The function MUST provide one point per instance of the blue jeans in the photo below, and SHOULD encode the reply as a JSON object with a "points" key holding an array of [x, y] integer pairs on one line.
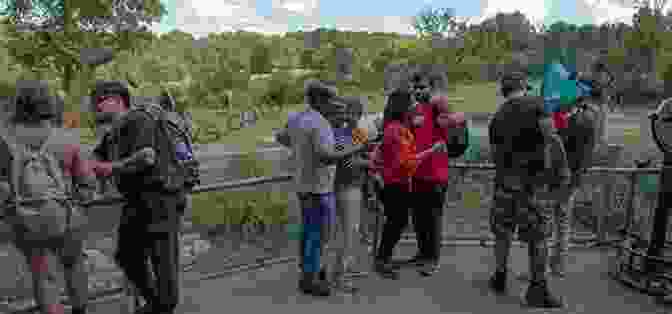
{"points": [[318, 213]]}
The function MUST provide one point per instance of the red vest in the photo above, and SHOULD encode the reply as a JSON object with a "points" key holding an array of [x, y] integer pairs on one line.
{"points": [[434, 169]]}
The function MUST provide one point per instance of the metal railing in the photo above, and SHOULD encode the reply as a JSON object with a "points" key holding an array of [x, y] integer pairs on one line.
{"points": [[603, 208], [116, 293], [103, 296]]}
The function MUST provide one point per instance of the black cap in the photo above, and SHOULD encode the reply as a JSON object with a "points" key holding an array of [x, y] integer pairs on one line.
{"points": [[102, 88], [111, 87], [33, 102], [515, 80], [317, 89]]}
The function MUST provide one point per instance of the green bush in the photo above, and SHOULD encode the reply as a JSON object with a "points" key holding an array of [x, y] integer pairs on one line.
{"points": [[242, 207]]}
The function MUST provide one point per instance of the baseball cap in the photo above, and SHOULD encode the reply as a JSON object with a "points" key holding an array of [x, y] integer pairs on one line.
{"points": [[314, 87], [515, 80]]}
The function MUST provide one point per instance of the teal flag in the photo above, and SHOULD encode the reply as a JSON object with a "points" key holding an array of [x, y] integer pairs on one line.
{"points": [[559, 87]]}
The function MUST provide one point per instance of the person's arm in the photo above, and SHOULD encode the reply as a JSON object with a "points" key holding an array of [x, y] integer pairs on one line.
{"points": [[282, 137], [325, 149], [360, 162], [140, 128]]}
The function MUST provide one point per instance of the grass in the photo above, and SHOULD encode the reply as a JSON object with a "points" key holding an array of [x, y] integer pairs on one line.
{"points": [[478, 98], [251, 207]]}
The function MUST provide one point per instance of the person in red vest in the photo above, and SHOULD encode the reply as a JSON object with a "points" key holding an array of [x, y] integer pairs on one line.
{"points": [[431, 178]]}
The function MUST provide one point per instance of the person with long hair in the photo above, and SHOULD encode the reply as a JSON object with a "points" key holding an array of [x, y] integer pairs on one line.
{"points": [[399, 161]]}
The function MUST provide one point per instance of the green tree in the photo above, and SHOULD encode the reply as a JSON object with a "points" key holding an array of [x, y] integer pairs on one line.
{"points": [[430, 21], [47, 35], [260, 62]]}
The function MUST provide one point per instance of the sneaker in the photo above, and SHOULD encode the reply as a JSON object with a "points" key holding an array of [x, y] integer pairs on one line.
{"points": [[538, 295], [145, 309], [498, 282], [417, 260], [81, 310], [557, 267], [386, 270], [345, 286], [311, 285], [557, 271], [429, 268], [322, 275], [413, 261], [664, 299]]}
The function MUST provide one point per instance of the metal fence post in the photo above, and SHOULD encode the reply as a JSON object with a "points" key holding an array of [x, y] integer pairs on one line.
{"points": [[603, 212], [630, 205]]}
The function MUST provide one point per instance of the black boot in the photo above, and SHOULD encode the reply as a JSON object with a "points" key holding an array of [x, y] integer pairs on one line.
{"points": [[538, 295], [498, 282], [310, 284], [386, 270], [323, 274], [78, 310]]}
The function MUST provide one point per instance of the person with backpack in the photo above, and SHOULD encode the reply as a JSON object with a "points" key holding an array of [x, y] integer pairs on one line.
{"points": [[431, 178], [155, 169], [580, 139], [42, 177], [521, 135]]}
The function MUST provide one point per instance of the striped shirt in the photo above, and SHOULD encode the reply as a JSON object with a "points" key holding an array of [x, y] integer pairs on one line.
{"points": [[346, 173]]}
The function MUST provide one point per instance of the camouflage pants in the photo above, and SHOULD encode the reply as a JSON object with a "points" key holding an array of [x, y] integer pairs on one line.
{"points": [[561, 232], [519, 208]]}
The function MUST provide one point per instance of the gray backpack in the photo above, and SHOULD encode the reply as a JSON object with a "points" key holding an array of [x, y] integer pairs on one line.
{"points": [[41, 198]]}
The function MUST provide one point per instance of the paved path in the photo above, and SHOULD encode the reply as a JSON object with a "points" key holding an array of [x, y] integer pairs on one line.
{"points": [[460, 287]]}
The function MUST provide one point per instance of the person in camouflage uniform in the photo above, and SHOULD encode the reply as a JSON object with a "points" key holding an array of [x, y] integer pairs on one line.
{"points": [[520, 133]]}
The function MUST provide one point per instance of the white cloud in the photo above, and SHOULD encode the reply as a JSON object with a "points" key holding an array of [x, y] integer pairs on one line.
{"points": [[534, 10], [600, 10], [200, 17]]}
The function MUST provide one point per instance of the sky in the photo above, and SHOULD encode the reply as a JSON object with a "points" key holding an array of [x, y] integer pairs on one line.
{"points": [[201, 17]]}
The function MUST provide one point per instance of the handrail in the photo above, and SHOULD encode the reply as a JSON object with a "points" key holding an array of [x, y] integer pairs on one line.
{"points": [[611, 170], [249, 182], [114, 199]]}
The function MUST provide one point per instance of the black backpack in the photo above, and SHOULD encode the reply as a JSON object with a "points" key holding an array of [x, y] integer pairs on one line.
{"points": [[173, 173], [580, 137], [514, 130]]}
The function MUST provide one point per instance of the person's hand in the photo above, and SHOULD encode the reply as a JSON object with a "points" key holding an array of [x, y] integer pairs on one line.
{"points": [[359, 136], [450, 120], [439, 147], [102, 169], [147, 155]]}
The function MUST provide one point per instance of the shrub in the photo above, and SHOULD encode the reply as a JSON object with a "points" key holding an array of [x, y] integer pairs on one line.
{"points": [[242, 207]]}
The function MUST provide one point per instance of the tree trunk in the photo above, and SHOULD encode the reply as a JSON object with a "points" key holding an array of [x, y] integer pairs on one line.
{"points": [[66, 82]]}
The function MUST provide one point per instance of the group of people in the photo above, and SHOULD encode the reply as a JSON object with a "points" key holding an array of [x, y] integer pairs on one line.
{"points": [[536, 178], [330, 149], [44, 175]]}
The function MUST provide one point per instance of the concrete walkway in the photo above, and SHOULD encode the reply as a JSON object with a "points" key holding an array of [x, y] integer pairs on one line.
{"points": [[460, 287]]}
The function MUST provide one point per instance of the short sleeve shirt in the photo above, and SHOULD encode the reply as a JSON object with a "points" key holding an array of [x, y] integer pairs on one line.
{"points": [[307, 131], [135, 134]]}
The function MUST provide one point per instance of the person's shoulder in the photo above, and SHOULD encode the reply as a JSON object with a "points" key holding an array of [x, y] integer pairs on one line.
{"points": [[393, 128], [138, 114]]}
